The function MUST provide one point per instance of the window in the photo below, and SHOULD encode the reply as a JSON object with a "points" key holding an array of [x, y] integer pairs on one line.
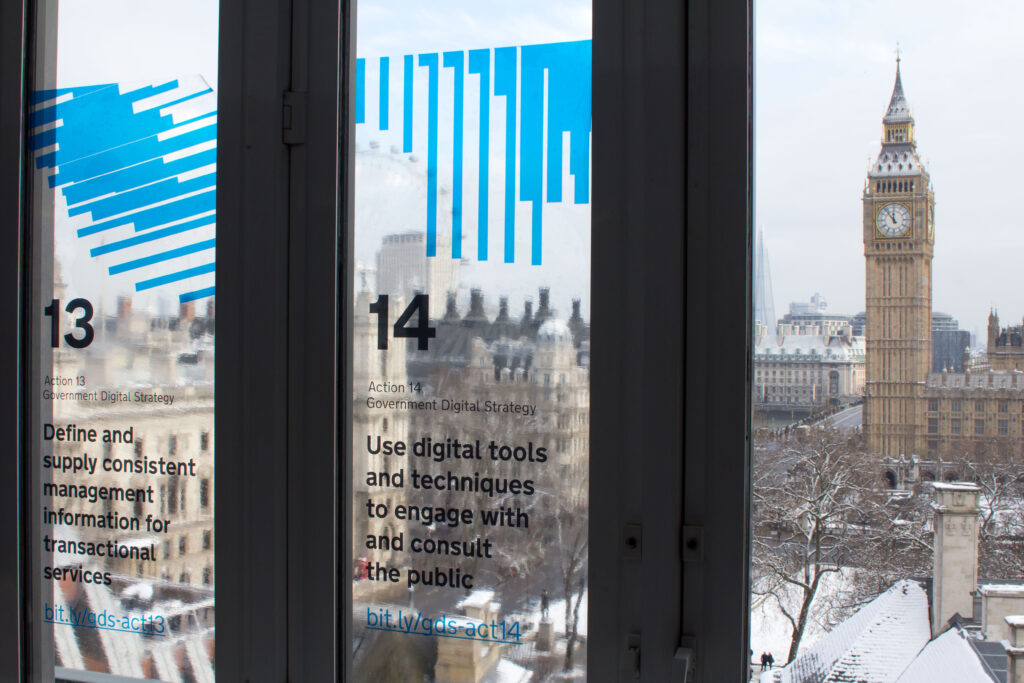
{"points": [[933, 404], [268, 438], [979, 406], [954, 425], [933, 425], [445, 123], [1004, 406], [979, 427], [954, 405], [1003, 427]]}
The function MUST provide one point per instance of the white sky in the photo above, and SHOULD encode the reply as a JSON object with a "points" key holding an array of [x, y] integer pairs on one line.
{"points": [[824, 74], [127, 41]]}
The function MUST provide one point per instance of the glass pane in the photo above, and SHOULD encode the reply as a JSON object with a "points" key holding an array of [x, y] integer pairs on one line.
{"points": [[470, 453], [889, 400], [121, 414]]}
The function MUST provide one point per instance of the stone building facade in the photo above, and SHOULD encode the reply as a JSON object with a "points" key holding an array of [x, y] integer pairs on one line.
{"points": [[808, 372]]}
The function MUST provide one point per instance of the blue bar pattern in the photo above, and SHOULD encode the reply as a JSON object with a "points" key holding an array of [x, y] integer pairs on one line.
{"points": [[545, 93], [138, 179]]}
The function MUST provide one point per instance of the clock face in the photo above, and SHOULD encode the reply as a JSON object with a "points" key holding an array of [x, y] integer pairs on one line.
{"points": [[893, 220]]}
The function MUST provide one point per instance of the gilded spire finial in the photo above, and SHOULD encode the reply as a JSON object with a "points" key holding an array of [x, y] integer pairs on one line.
{"points": [[898, 55]]}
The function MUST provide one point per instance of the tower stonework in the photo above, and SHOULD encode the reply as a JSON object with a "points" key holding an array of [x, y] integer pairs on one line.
{"points": [[899, 239]]}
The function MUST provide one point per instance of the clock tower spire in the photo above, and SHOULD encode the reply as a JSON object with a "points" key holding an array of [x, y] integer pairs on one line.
{"points": [[898, 230]]}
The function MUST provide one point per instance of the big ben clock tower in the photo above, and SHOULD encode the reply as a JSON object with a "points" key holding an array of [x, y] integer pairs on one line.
{"points": [[899, 238]]}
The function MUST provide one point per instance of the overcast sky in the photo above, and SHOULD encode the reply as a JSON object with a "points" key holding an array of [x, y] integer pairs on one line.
{"points": [[824, 75]]}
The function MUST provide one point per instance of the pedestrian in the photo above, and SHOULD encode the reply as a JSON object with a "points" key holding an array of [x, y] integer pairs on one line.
{"points": [[545, 603], [764, 661], [771, 661]]}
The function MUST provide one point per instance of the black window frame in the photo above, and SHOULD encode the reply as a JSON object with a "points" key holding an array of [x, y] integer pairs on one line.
{"points": [[671, 245]]}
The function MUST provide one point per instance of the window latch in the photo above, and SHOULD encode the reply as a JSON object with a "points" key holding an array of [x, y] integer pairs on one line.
{"points": [[293, 118], [687, 655]]}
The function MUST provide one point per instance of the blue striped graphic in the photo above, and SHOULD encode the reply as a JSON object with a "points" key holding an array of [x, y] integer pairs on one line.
{"points": [[385, 85], [360, 90], [454, 60], [480, 63], [545, 91], [138, 177], [429, 61]]}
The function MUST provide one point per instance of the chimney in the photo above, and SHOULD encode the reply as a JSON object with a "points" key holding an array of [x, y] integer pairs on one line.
{"points": [[1015, 653], [476, 308], [955, 569], [451, 313], [544, 310], [998, 602], [124, 308]]}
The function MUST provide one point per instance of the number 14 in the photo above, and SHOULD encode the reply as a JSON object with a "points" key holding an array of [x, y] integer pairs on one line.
{"points": [[422, 333]]}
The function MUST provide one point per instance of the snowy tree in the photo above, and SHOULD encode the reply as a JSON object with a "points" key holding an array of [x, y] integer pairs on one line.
{"points": [[820, 506]]}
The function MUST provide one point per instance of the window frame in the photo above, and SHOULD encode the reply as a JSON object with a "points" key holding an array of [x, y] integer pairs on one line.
{"points": [[13, 51], [671, 81]]}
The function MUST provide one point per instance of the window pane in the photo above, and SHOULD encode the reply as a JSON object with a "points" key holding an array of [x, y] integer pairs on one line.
{"points": [[902, 489], [123, 140], [471, 341]]}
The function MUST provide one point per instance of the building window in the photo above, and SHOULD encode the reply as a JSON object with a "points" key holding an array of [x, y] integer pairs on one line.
{"points": [[1004, 406], [979, 406], [207, 540], [182, 545], [933, 425], [138, 448], [1004, 427], [933, 404], [954, 425], [204, 441], [204, 493], [979, 426], [954, 405], [172, 444]]}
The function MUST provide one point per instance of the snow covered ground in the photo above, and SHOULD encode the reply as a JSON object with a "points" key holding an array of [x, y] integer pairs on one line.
{"points": [[771, 631]]}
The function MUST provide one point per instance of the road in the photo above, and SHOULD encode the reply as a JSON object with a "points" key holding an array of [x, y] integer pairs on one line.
{"points": [[848, 420]]}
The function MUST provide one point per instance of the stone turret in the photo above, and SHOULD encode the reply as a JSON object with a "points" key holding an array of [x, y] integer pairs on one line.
{"points": [[955, 570]]}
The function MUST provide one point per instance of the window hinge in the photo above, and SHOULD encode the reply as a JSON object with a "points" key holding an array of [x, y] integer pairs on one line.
{"points": [[293, 118]]}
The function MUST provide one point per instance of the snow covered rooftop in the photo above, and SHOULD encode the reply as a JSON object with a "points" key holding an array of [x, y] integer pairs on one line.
{"points": [[1010, 380], [876, 644], [478, 598], [962, 486], [949, 657], [1002, 589]]}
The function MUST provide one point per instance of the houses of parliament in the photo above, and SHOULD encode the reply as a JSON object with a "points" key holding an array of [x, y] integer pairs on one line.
{"points": [[909, 410]]}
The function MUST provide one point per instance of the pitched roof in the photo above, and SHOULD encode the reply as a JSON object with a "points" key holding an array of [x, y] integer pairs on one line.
{"points": [[876, 644], [899, 110], [950, 657]]}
